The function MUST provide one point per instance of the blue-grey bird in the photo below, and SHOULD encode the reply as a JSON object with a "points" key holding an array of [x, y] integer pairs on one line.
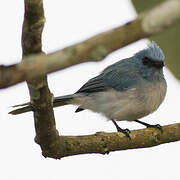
{"points": [[127, 90]]}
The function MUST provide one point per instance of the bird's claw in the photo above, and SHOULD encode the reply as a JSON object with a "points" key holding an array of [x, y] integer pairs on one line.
{"points": [[157, 126], [126, 132]]}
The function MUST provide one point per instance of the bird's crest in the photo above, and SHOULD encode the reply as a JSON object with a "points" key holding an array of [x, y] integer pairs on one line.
{"points": [[153, 52]]}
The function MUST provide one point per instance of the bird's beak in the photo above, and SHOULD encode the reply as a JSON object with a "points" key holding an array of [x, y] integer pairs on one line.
{"points": [[162, 64], [159, 64]]}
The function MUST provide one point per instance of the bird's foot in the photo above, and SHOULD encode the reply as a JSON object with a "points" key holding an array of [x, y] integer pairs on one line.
{"points": [[126, 132], [156, 126]]}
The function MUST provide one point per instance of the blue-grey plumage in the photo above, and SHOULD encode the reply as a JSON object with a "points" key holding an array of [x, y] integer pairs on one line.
{"points": [[127, 90]]}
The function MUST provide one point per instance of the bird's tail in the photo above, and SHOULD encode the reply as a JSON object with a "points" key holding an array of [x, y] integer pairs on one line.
{"points": [[58, 101]]}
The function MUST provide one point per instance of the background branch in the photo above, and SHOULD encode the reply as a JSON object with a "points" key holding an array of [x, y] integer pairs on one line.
{"points": [[167, 40], [95, 48]]}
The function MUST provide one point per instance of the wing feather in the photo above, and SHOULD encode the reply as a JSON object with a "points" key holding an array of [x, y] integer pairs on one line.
{"points": [[119, 76]]}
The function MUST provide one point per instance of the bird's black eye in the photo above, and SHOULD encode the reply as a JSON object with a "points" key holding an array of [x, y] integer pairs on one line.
{"points": [[145, 60], [152, 63]]}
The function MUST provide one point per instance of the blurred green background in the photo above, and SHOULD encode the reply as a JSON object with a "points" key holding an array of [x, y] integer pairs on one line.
{"points": [[168, 40]]}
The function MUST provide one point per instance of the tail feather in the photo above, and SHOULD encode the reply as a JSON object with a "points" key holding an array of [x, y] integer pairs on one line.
{"points": [[21, 110], [18, 105], [62, 100], [79, 109], [58, 101]]}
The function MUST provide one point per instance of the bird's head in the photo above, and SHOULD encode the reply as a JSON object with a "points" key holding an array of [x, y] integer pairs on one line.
{"points": [[152, 56]]}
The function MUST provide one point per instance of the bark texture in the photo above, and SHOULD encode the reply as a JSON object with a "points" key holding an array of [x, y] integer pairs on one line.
{"points": [[41, 97], [104, 143]]}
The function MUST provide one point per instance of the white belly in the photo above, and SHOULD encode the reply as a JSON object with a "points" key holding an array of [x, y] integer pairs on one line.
{"points": [[127, 105]]}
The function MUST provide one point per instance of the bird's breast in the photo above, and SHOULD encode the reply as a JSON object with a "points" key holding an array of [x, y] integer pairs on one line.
{"points": [[131, 104], [141, 101], [154, 95]]}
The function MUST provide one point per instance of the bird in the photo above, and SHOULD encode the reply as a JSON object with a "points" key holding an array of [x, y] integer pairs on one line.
{"points": [[127, 90]]}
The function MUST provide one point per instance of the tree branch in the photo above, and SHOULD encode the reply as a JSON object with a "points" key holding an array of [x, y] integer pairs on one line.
{"points": [[104, 143], [96, 48], [41, 97]]}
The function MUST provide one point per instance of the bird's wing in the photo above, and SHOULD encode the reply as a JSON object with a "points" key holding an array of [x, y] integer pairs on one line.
{"points": [[95, 84], [122, 80], [115, 78]]}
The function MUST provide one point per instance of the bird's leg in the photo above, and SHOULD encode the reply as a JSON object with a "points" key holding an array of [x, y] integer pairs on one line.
{"points": [[157, 126], [126, 132]]}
